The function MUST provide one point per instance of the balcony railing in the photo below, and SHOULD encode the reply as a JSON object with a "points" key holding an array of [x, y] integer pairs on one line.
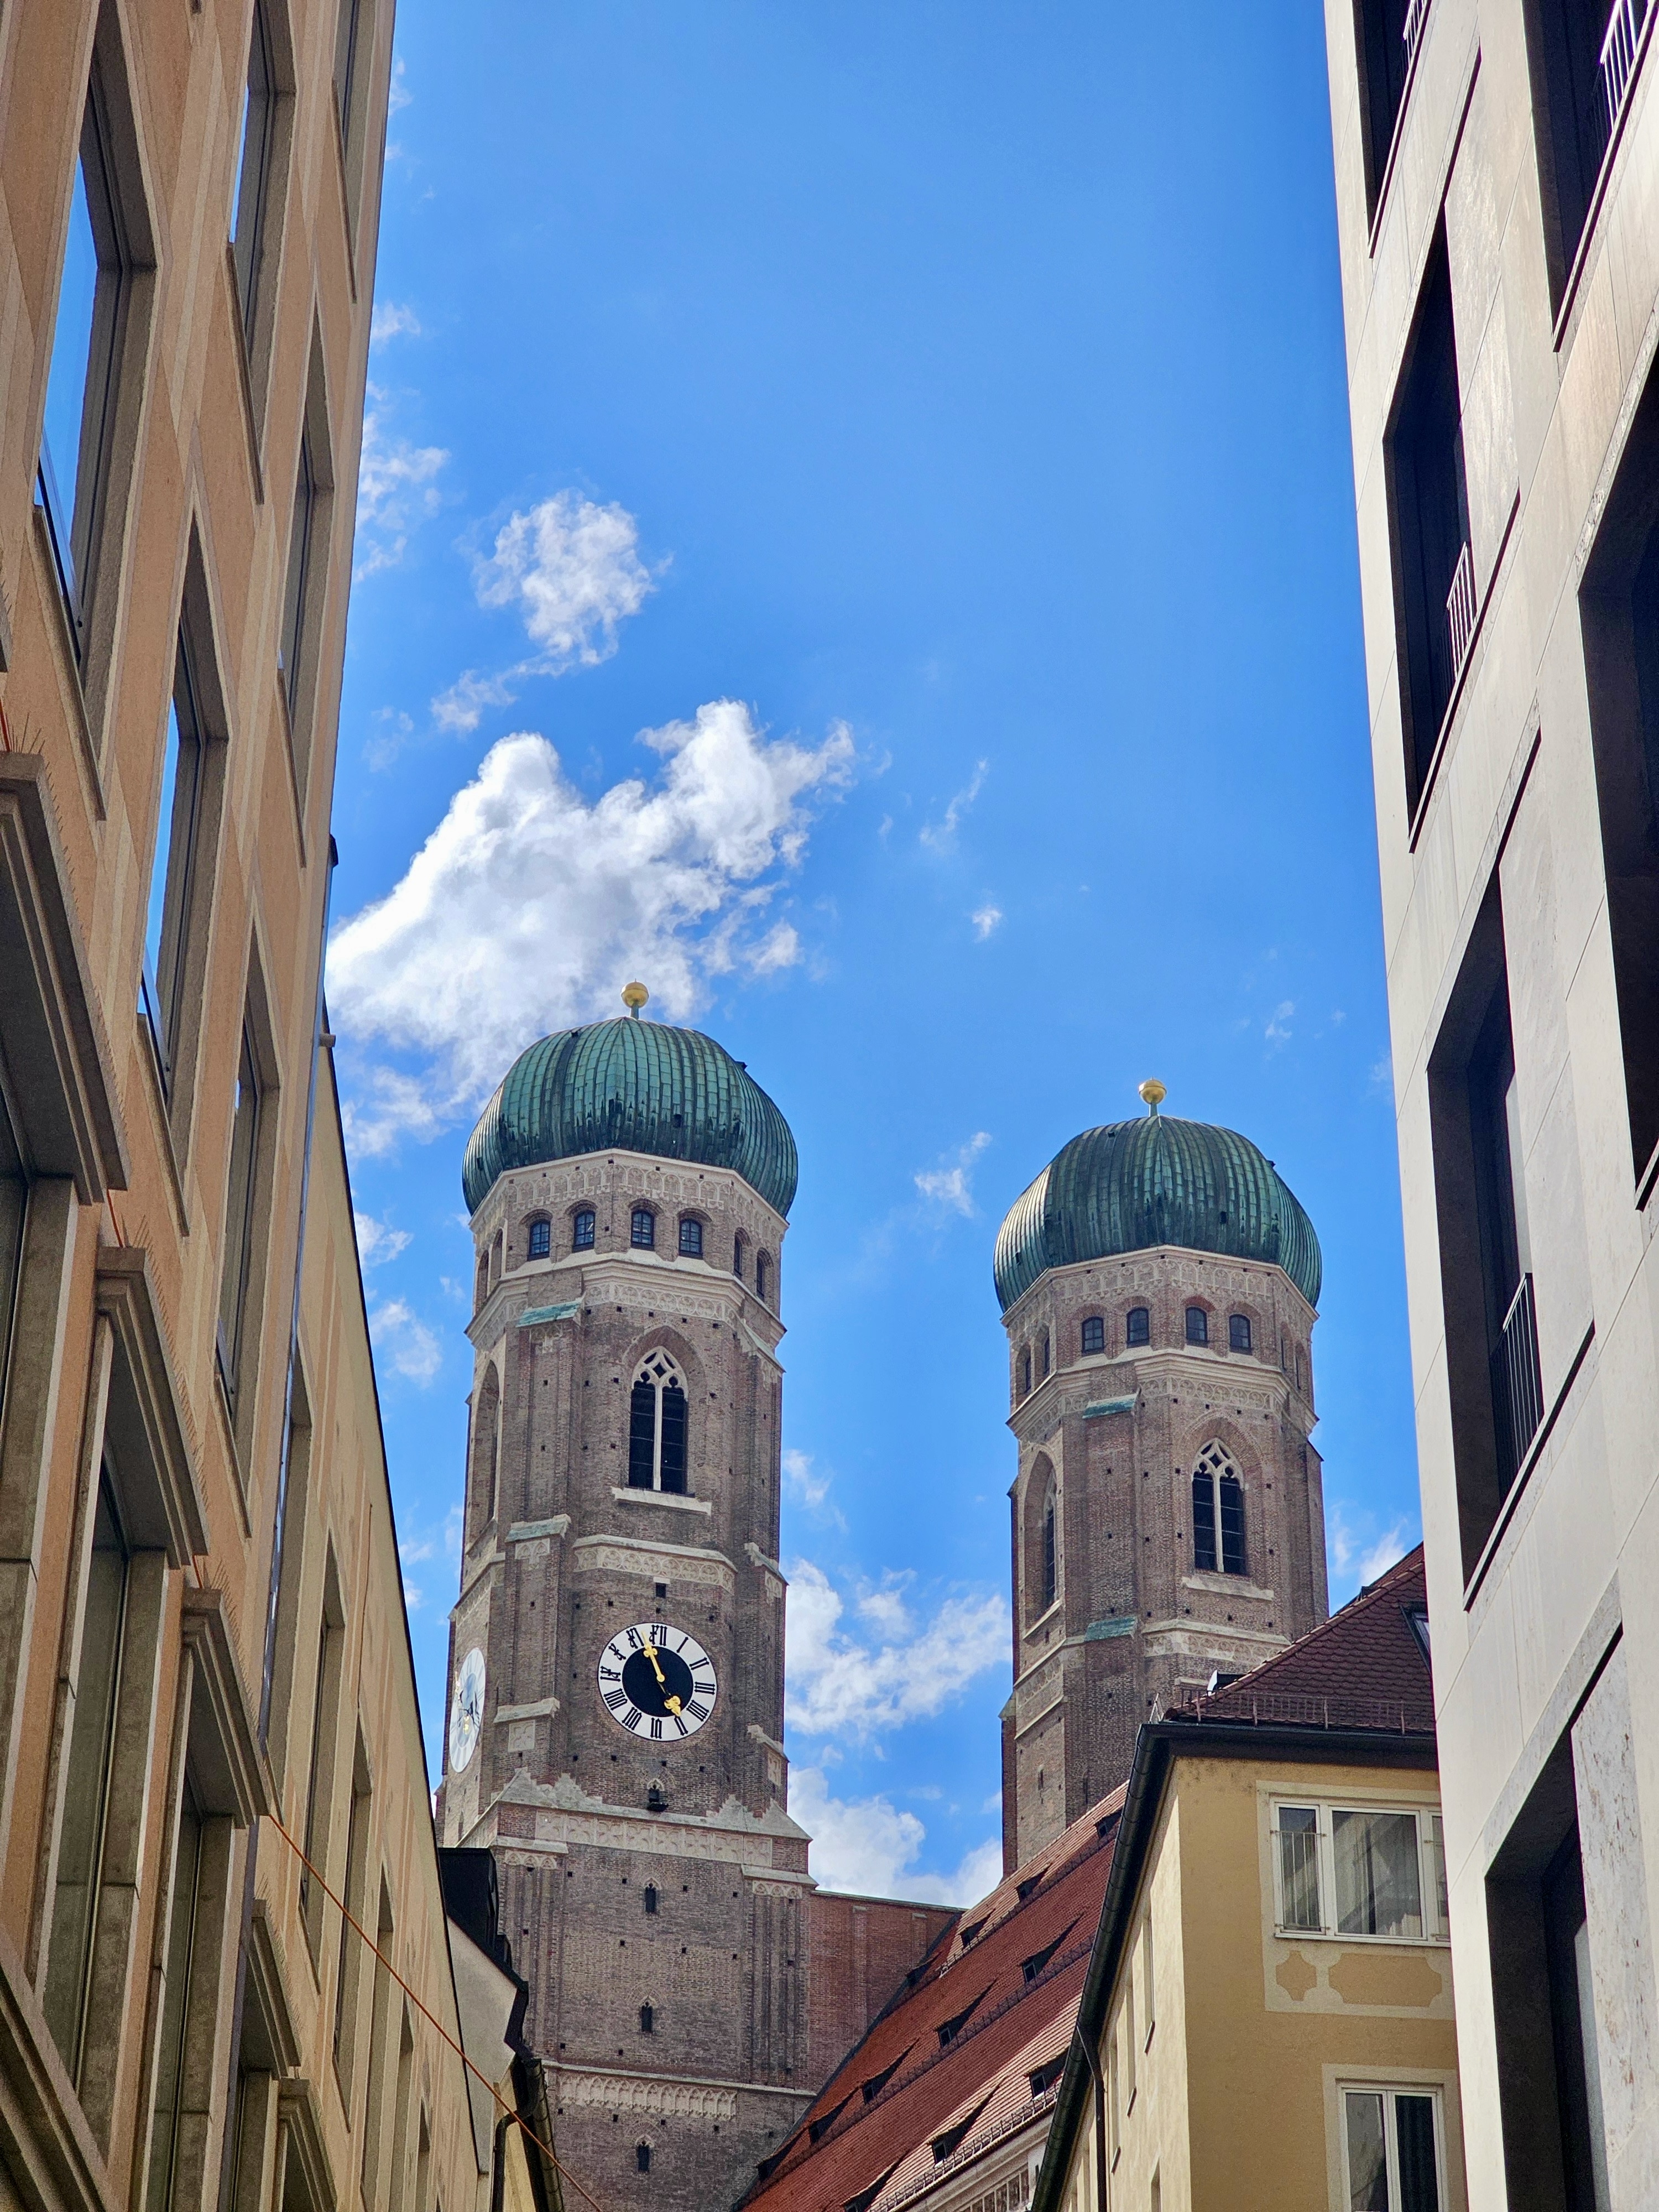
{"points": [[1619, 60], [1460, 610], [1518, 1389], [1416, 16]]}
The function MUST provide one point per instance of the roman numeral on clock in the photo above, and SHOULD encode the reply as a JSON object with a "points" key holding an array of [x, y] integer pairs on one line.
{"points": [[616, 1700], [698, 1712]]}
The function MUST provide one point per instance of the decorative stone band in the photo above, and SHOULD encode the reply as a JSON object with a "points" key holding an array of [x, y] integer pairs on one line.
{"points": [[634, 1555], [643, 2092], [670, 1499]]}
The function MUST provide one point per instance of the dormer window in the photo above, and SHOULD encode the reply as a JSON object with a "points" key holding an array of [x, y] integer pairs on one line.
{"points": [[1094, 1335], [581, 1231], [691, 1239], [540, 1244], [1238, 1332], [1198, 1325], [1138, 1325], [643, 1234]]}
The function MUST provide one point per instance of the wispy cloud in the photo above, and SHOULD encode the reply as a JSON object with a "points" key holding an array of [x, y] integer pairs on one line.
{"points": [[1278, 1030], [950, 1186], [939, 836], [391, 321], [841, 1682], [572, 570], [984, 920], [376, 1244], [866, 1844], [403, 1340], [531, 905], [396, 490], [1359, 1555], [807, 1487]]}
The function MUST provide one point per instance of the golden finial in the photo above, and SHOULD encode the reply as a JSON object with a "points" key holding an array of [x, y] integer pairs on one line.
{"points": [[1154, 1094], [634, 997]]}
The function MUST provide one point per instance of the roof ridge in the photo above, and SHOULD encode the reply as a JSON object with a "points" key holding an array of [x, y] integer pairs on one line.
{"points": [[1368, 1595]]}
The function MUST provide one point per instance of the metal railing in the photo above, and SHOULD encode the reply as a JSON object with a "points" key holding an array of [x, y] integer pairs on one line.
{"points": [[1518, 1388], [1461, 609], [1312, 1708], [1618, 62], [1416, 16]]}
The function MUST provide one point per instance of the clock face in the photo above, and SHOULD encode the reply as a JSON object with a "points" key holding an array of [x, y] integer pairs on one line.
{"points": [[466, 1714], [658, 1682]]}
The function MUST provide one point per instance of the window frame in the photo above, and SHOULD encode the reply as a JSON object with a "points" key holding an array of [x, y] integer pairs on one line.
{"points": [[1241, 1337], [646, 1242], [578, 1242], [691, 1228], [1390, 2092], [538, 1237], [246, 1190], [1137, 1329], [1093, 1325], [1431, 1861], [1201, 1336], [671, 1377]]}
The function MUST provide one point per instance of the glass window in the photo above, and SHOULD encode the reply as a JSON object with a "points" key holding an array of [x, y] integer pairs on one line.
{"points": [[1238, 1332], [1047, 1362], [347, 33], [650, 1897], [295, 588], [172, 2086], [1094, 1334], [1229, 1493], [1138, 1325], [167, 920], [647, 2019], [1393, 2154], [1378, 1879], [69, 380], [14, 1192], [86, 1790], [1217, 1513], [1204, 1554], [582, 1230], [657, 1427], [763, 1278], [644, 1232], [642, 2157], [1298, 1868], [1050, 1550], [736, 1257], [237, 1263], [691, 1239], [1024, 1371], [255, 163], [1198, 1325], [541, 1239]]}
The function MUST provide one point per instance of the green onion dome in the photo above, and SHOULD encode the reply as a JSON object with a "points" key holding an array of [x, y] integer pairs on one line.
{"points": [[637, 1086], [1133, 1185]]}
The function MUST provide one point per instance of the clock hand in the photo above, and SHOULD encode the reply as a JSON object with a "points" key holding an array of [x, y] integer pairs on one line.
{"points": [[651, 1654]]}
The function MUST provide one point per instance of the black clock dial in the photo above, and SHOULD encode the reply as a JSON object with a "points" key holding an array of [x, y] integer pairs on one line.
{"points": [[656, 1681]]}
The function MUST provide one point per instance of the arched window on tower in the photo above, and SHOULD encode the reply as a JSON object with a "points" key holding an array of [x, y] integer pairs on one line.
{"points": [[495, 1258], [764, 1279], [1198, 1325], [648, 2021], [481, 1286], [481, 1486], [540, 1242], [1138, 1325], [1048, 1356], [642, 2156], [650, 1897], [1050, 1548], [1238, 1332], [581, 1231], [691, 1238], [656, 1427], [643, 1234], [1023, 1372], [1217, 1513], [1094, 1335]]}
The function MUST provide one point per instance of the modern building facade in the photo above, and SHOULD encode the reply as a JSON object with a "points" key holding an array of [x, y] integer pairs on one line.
{"points": [[1498, 200], [1158, 1284], [1267, 2018], [616, 1653], [208, 1723]]}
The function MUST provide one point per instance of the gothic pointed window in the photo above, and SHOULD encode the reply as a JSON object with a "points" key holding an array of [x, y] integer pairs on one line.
{"points": [[1094, 1334], [1050, 1550], [1138, 1325], [656, 1427], [1217, 1513]]}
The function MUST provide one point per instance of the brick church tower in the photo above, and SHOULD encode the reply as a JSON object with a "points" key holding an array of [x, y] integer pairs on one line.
{"points": [[1159, 1283], [615, 1667]]}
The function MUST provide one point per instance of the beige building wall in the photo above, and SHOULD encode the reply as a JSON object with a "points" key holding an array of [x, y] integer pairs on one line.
{"points": [[190, 1449], [1227, 2042], [1515, 812]]}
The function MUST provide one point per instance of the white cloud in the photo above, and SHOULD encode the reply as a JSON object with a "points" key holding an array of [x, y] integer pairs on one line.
{"points": [[1357, 1557], [950, 1186], [395, 491], [808, 1488], [1279, 1022], [530, 905], [939, 836], [865, 1845], [404, 1341], [391, 321], [573, 570], [376, 1244], [399, 95], [840, 1685], [984, 920]]}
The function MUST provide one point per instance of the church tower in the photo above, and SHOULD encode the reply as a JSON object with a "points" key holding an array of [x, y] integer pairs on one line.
{"points": [[1159, 1283], [615, 1674]]}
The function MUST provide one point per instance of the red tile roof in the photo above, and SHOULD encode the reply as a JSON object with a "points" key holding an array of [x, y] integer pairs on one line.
{"points": [[920, 2088], [1366, 1667]]}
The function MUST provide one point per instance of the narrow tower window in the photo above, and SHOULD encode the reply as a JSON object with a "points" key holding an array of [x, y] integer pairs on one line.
{"points": [[581, 1238], [1238, 1332], [1050, 1550], [541, 1240], [736, 1256], [647, 2019], [1217, 1513], [763, 1279], [1047, 1356], [1094, 1334], [642, 2157], [691, 1239], [656, 1428], [643, 1234], [1138, 1325], [1198, 1325], [1023, 1371], [650, 1897]]}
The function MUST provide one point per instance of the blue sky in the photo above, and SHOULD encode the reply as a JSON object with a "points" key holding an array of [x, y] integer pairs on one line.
{"points": [[857, 528]]}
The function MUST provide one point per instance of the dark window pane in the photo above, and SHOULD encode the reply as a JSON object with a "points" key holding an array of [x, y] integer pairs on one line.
{"points": [[253, 167], [1050, 1561], [763, 1277], [583, 1237], [299, 569], [166, 920], [1204, 1523], [237, 1258], [1420, 2181], [673, 1438], [1198, 1325], [1232, 1525], [1379, 1888], [1368, 2155], [1139, 1328], [736, 1257], [642, 1437], [691, 1239], [1238, 1332], [14, 1192], [541, 1239], [1047, 1362], [644, 1231], [171, 2084], [1094, 1334]]}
